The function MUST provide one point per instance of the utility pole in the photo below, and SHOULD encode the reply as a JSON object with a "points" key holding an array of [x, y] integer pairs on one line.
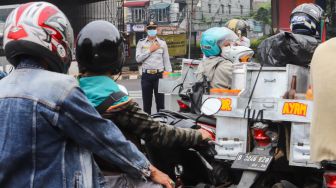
{"points": [[190, 28], [251, 6], [120, 15]]}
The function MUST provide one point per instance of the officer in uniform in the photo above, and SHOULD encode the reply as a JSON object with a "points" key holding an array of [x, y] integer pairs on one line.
{"points": [[152, 52]]}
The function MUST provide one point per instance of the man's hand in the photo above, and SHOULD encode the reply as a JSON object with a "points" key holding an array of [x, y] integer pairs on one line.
{"points": [[155, 46], [161, 178], [205, 134]]}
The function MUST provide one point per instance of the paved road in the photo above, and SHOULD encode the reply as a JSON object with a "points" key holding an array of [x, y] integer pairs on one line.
{"points": [[132, 85], [134, 89]]}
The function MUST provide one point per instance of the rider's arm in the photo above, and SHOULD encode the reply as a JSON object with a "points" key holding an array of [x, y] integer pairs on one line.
{"points": [[82, 123], [136, 121]]}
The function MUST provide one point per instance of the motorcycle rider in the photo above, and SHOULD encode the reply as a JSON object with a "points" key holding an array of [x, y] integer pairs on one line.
{"points": [[101, 56], [96, 67], [217, 44], [322, 138], [240, 27], [48, 127], [323, 121], [305, 19], [296, 47]]}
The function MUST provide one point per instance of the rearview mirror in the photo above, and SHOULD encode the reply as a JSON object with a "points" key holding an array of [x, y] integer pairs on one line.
{"points": [[123, 89], [211, 106]]}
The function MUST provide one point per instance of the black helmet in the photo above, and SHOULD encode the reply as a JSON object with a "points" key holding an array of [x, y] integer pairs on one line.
{"points": [[306, 19], [100, 48], [240, 27]]}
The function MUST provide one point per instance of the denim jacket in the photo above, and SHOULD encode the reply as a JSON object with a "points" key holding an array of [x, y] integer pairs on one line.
{"points": [[48, 130]]}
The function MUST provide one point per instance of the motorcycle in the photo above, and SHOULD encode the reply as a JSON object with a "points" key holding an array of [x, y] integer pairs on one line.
{"points": [[259, 165], [191, 166], [191, 99]]}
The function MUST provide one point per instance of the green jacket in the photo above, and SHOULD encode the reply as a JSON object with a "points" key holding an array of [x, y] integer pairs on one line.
{"points": [[132, 120]]}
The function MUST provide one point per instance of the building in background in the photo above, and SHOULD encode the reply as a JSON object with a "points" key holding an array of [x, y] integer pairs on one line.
{"points": [[102, 10], [259, 3], [201, 15], [182, 16], [211, 13], [109, 10], [164, 12]]}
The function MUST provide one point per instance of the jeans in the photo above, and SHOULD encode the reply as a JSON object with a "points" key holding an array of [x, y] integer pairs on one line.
{"points": [[150, 82]]}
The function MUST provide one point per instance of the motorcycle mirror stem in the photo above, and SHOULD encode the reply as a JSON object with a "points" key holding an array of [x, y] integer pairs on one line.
{"points": [[209, 107]]}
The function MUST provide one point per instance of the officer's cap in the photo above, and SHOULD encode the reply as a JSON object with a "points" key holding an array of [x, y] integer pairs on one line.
{"points": [[151, 25]]}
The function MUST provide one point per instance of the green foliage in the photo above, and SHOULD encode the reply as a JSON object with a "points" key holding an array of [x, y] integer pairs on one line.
{"points": [[176, 64], [330, 12], [263, 15], [267, 6], [256, 42]]}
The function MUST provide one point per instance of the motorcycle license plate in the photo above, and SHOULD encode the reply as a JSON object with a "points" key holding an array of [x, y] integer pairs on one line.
{"points": [[254, 162]]}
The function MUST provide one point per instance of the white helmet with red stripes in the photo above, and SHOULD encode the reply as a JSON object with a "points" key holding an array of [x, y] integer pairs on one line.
{"points": [[41, 30]]}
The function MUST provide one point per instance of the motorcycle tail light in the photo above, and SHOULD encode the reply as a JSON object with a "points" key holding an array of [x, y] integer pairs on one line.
{"points": [[260, 137], [182, 105], [330, 179]]}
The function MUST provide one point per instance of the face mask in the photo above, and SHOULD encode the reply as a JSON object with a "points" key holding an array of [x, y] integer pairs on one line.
{"points": [[152, 33], [226, 52]]}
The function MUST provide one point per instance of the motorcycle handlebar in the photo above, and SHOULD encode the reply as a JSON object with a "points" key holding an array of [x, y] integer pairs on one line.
{"points": [[211, 142]]}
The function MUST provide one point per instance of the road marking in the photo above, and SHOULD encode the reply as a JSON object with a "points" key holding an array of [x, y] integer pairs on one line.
{"points": [[135, 94]]}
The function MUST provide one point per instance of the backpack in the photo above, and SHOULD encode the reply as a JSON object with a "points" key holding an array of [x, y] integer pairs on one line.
{"points": [[287, 48]]}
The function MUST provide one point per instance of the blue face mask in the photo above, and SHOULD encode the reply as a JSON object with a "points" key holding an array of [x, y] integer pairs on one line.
{"points": [[152, 32]]}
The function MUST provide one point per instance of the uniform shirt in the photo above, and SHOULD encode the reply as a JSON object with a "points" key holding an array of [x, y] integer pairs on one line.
{"points": [[155, 60]]}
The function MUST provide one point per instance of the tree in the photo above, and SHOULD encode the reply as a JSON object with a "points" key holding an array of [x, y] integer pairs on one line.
{"points": [[263, 15], [331, 13]]}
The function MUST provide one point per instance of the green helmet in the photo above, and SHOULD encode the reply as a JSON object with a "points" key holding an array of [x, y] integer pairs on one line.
{"points": [[214, 37]]}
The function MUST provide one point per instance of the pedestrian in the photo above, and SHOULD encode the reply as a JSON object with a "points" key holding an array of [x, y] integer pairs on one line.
{"points": [[48, 127], [152, 53]]}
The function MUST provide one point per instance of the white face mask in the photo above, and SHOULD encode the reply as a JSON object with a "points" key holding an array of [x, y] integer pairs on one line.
{"points": [[226, 52]]}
